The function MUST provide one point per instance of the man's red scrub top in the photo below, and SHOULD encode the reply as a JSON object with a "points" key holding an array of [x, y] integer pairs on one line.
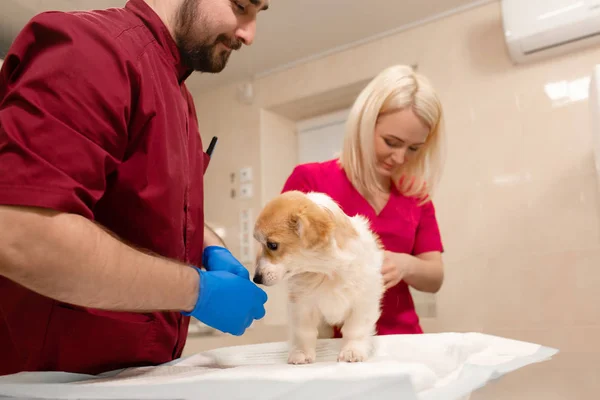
{"points": [[403, 226], [95, 120]]}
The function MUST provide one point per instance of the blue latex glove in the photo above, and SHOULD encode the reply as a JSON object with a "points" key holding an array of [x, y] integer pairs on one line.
{"points": [[228, 302], [217, 258]]}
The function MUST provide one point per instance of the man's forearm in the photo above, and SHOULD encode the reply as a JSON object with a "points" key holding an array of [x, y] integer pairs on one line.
{"points": [[211, 238], [68, 258]]}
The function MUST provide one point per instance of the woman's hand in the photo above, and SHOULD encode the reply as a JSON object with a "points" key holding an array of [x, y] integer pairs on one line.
{"points": [[395, 267], [424, 272]]}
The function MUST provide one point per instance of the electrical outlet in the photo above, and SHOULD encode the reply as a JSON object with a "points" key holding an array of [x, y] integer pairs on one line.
{"points": [[245, 215], [246, 175], [244, 254], [246, 190], [246, 228]]}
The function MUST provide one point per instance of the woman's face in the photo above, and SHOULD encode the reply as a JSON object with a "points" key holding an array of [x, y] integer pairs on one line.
{"points": [[398, 137]]}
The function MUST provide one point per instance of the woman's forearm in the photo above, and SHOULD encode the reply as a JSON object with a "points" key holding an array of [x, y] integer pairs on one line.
{"points": [[69, 258], [425, 273]]}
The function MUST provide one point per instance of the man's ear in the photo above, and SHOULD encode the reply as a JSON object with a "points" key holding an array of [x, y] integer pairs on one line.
{"points": [[313, 227]]}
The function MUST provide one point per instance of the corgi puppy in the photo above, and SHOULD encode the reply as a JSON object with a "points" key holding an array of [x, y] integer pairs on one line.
{"points": [[332, 266]]}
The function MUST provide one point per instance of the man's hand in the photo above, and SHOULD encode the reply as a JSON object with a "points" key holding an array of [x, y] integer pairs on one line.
{"points": [[228, 302], [217, 258]]}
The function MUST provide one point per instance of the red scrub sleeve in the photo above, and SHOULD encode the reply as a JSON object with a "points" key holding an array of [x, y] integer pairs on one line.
{"points": [[427, 237], [63, 116], [301, 179]]}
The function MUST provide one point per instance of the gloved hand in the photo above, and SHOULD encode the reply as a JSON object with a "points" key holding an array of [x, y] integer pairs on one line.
{"points": [[217, 258], [228, 302]]}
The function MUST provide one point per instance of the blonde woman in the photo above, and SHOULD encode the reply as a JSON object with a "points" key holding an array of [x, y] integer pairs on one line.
{"points": [[388, 167]]}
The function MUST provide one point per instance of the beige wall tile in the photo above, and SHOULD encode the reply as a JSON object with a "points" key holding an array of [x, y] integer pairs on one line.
{"points": [[571, 374]]}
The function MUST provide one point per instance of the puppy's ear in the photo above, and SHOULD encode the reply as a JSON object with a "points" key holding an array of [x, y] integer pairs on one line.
{"points": [[313, 226]]}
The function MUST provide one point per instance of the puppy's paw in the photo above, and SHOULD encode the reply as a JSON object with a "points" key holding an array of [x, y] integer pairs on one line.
{"points": [[301, 357], [353, 353]]}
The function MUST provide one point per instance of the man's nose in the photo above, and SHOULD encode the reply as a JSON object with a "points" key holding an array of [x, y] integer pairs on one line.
{"points": [[246, 32]]}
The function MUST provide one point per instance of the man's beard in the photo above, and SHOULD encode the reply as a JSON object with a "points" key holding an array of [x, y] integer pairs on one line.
{"points": [[200, 55]]}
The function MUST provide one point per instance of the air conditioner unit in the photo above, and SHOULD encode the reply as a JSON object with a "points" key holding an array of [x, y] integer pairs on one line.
{"points": [[539, 29], [594, 107]]}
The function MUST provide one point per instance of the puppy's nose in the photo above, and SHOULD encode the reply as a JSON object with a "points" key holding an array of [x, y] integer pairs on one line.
{"points": [[258, 279]]}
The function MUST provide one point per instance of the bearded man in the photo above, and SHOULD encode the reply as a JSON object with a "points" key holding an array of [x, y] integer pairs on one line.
{"points": [[104, 253]]}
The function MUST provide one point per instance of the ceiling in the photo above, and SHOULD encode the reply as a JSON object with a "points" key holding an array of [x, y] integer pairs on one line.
{"points": [[289, 32]]}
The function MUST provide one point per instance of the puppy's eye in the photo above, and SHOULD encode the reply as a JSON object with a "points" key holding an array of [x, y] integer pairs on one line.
{"points": [[239, 6], [272, 246]]}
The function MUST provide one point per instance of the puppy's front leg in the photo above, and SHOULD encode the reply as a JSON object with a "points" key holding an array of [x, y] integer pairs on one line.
{"points": [[357, 332], [304, 322]]}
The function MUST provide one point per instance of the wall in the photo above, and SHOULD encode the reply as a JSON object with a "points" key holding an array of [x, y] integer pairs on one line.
{"points": [[518, 206], [277, 156]]}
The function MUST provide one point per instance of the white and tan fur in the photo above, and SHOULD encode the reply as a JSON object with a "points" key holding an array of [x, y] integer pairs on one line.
{"points": [[332, 265]]}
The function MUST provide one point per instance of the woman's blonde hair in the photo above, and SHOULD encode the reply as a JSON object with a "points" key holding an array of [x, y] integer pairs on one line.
{"points": [[395, 88]]}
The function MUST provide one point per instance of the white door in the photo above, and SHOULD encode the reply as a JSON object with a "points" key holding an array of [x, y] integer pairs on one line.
{"points": [[321, 138]]}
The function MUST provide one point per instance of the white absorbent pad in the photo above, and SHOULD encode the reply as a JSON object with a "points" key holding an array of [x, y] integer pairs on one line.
{"points": [[429, 366]]}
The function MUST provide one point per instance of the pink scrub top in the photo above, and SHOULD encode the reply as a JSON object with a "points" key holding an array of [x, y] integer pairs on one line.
{"points": [[403, 226]]}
